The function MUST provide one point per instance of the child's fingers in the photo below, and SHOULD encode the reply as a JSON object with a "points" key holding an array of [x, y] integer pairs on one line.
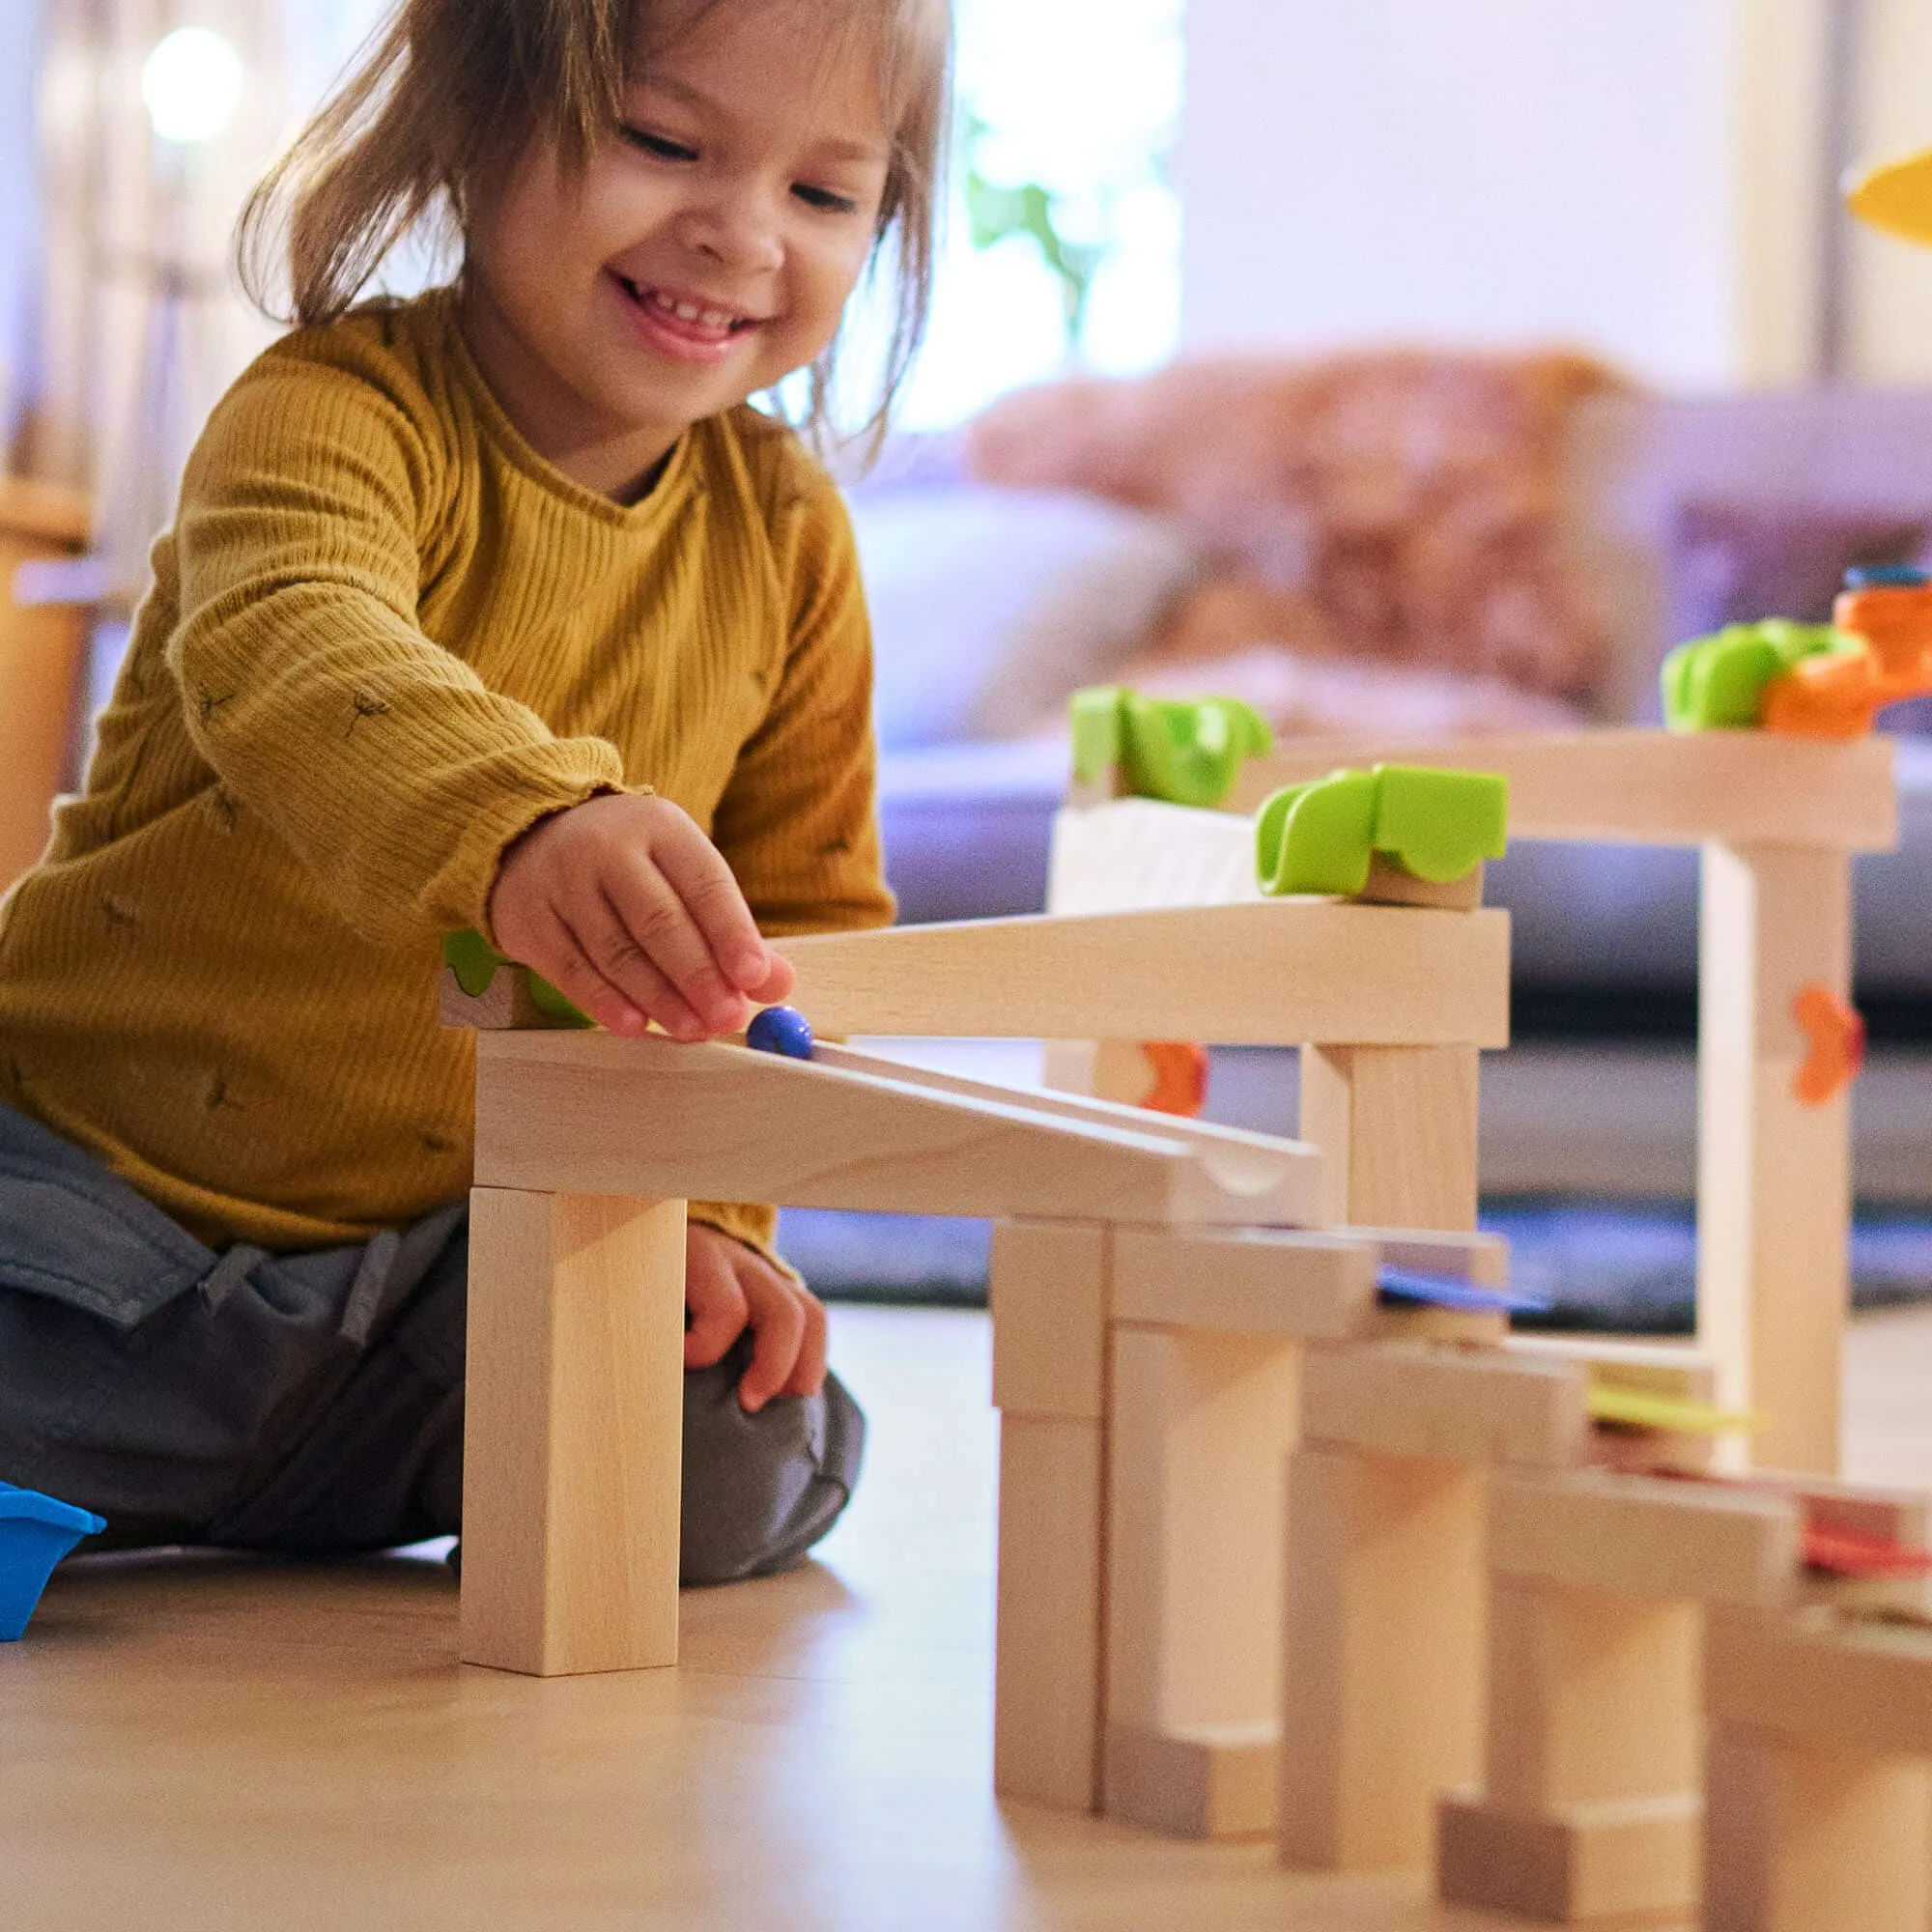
{"points": [[616, 953], [776, 986], [704, 883], [715, 1301], [561, 958], [808, 1373], [777, 1333], [659, 928]]}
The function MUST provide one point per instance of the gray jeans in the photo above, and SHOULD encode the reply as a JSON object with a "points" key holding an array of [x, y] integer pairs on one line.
{"points": [[312, 1404]]}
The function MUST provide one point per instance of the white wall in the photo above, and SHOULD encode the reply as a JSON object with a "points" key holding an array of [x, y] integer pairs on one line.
{"points": [[1626, 175]]}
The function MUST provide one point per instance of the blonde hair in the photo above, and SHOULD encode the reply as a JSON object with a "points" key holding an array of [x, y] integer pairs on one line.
{"points": [[446, 95]]}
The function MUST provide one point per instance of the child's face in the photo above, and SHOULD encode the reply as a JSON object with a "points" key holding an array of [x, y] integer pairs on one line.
{"points": [[708, 250]]}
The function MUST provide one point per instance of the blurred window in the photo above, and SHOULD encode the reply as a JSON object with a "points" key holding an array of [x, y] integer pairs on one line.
{"points": [[1062, 244]]}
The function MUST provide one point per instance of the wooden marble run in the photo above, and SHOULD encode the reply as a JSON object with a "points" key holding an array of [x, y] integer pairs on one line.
{"points": [[1776, 820]]}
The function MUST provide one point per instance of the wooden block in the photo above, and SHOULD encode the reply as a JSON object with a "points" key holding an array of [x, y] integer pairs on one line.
{"points": [[1801, 1838], [1199, 1432], [1047, 1700], [1593, 1700], [1048, 1295], [573, 1432], [1246, 1281], [1898, 1515], [1674, 1370], [1139, 854], [1478, 1406], [1774, 1186], [1592, 1529], [1382, 1668], [1202, 1782], [1859, 1686], [1417, 1321], [1280, 973], [505, 1004], [1627, 1864], [1397, 1129], [1390, 884], [1639, 787], [599, 1113]]}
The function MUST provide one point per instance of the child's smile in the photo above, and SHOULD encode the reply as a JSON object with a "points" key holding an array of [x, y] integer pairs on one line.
{"points": [[706, 251]]}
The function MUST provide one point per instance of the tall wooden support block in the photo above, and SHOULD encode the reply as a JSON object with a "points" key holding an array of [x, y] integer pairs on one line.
{"points": [[1774, 1175], [1805, 1839], [1817, 1807], [572, 1431], [1199, 1433], [1381, 1680], [1397, 1129], [1590, 1805], [1047, 1288], [1046, 1697]]}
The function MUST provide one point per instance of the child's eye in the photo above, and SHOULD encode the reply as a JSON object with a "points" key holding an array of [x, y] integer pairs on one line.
{"points": [[824, 198], [657, 145]]}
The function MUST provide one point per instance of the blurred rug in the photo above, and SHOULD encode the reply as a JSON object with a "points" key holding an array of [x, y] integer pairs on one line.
{"points": [[1628, 1267]]}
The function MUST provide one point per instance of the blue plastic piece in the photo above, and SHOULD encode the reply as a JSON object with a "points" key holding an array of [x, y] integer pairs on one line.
{"points": [[1885, 577], [1443, 1290], [781, 1030], [35, 1533]]}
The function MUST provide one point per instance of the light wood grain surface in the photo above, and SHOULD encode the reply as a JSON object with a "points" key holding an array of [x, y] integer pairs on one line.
{"points": [[211, 1745]]}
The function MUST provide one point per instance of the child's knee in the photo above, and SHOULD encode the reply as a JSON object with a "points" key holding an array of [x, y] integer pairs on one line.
{"points": [[760, 1490]]}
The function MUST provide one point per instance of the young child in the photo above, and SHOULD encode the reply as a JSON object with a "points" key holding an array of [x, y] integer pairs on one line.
{"points": [[500, 608]]}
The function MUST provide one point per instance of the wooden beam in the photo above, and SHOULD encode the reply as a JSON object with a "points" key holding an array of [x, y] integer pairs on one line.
{"points": [[573, 1432], [1774, 1179], [592, 1113], [1640, 788], [1277, 973]]}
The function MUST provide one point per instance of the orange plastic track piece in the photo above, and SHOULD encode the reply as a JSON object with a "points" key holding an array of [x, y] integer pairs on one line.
{"points": [[1179, 1077], [1838, 694], [1836, 1030]]}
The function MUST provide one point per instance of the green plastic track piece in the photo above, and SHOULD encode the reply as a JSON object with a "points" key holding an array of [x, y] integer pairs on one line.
{"points": [[1718, 683], [1441, 825], [1094, 716], [1183, 752], [475, 962], [1319, 837]]}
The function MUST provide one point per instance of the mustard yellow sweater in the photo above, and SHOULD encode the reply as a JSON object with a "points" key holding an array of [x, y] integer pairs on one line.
{"points": [[385, 638]]}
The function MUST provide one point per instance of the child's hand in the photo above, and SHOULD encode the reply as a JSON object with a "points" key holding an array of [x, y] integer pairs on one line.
{"points": [[625, 907], [729, 1287]]}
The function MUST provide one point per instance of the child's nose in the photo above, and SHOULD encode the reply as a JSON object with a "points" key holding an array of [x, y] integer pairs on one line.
{"points": [[739, 229]]}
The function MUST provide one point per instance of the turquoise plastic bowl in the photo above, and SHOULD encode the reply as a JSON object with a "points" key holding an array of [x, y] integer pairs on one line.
{"points": [[35, 1533]]}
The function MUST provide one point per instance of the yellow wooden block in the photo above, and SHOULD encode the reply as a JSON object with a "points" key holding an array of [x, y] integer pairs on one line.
{"points": [[1896, 197]]}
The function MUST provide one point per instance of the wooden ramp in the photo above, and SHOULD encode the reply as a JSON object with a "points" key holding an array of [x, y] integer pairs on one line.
{"points": [[590, 1113]]}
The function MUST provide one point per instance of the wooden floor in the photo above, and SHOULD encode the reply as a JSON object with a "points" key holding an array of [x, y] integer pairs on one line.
{"points": [[202, 1743]]}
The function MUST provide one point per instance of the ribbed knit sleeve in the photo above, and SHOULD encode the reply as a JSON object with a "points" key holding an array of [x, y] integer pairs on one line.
{"points": [[798, 821], [381, 759]]}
